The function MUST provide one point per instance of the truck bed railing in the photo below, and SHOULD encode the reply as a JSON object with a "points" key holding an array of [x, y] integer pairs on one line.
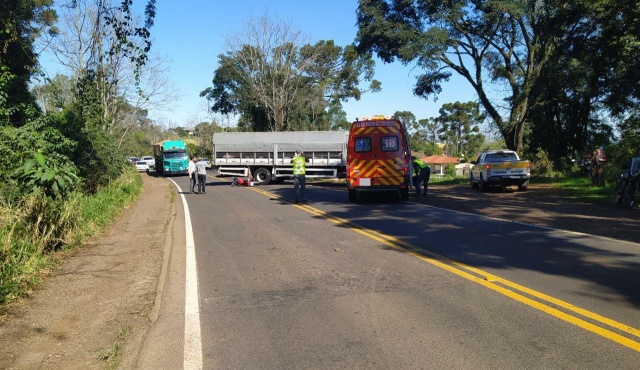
{"points": [[282, 158]]}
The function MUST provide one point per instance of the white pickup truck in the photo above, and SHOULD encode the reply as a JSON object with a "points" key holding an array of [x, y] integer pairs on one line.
{"points": [[150, 161], [500, 167]]}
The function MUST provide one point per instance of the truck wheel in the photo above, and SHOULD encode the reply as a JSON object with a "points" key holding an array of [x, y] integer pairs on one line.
{"points": [[352, 195], [483, 185], [522, 187], [262, 176], [474, 184], [404, 194]]}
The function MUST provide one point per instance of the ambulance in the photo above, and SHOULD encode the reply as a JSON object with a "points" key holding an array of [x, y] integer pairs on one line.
{"points": [[378, 157]]}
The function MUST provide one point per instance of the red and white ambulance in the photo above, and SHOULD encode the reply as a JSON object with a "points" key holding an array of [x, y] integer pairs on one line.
{"points": [[378, 157]]}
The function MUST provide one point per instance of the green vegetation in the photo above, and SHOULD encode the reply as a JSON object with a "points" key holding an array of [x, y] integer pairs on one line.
{"points": [[579, 188], [111, 355], [63, 174], [570, 187], [32, 230]]}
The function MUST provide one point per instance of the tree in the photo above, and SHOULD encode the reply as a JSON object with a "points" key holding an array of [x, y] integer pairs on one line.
{"points": [[590, 79], [105, 47], [21, 21], [276, 81], [499, 43], [460, 127]]}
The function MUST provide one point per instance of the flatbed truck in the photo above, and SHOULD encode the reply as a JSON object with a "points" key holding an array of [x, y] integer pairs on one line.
{"points": [[266, 156]]}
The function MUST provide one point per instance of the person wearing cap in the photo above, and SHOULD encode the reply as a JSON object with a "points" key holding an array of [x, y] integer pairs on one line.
{"points": [[599, 160], [299, 162]]}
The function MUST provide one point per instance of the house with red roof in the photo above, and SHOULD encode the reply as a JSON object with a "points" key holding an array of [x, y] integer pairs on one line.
{"points": [[439, 162]]}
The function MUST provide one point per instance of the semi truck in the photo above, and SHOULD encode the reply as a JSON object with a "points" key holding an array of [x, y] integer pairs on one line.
{"points": [[171, 157], [266, 156]]}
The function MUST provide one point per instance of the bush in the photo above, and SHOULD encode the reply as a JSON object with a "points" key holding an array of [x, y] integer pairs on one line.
{"points": [[450, 170], [541, 165]]}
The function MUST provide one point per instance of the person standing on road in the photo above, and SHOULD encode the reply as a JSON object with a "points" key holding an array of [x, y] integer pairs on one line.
{"points": [[422, 173], [299, 163], [201, 167], [192, 172]]}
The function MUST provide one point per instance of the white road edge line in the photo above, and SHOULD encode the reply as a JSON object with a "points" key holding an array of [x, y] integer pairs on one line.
{"points": [[192, 335]]}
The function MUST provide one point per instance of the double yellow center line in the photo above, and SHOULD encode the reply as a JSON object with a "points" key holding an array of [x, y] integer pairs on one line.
{"points": [[571, 314]]}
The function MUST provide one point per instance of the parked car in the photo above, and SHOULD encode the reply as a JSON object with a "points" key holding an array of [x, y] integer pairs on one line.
{"points": [[133, 160], [207, 163], [150, 161], [500, 167], [142, 166]]}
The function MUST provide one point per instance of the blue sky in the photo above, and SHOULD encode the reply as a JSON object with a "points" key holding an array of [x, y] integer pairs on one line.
{"points": [[190, 35]]}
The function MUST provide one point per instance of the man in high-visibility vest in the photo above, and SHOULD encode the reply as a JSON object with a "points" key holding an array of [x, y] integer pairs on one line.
{"points": [[422, 173], [299, 175]]}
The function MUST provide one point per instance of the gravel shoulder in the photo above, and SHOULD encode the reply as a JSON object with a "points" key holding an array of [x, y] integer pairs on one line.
{"points": [[102, 296], [99, 300]]}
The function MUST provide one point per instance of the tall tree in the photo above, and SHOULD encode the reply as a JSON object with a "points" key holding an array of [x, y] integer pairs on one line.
{"points": [[105, 46], [277, 81], [21, 22], [591, 77], [494, 45], [460, 127]]}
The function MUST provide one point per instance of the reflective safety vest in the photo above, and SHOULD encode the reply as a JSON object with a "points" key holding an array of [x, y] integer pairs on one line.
{"points": [[299, 165], [419, 165]]}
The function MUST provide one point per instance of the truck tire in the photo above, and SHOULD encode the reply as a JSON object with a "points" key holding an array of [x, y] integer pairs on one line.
{"points": [[352, 195], [483, 184], [474, 185], [262, 176], [522, 187]]}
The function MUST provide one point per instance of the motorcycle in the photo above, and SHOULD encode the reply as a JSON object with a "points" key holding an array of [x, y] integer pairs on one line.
{"points": [[586, 166], [627, 189]]}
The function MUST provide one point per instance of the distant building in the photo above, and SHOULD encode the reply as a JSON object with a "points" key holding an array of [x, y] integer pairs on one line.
{"points": [[439, 162]]}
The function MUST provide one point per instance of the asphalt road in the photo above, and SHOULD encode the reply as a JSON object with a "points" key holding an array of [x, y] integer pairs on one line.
{"points": [[383, 284]]}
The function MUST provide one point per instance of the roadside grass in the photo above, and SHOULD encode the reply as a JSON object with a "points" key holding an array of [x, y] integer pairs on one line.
{"points": [[112, 354], [35, 232], [571, 187], [579, 188]]}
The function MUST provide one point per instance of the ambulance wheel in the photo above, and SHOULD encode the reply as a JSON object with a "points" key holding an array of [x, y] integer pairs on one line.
{"points": [[404, 194], [262, 176], [352, 195]]}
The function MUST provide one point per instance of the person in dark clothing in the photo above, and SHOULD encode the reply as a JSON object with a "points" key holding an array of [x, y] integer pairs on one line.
{"points": [[422, 173], [599, 160]]}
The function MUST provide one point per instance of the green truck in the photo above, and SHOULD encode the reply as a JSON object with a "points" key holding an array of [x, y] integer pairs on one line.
{"points": [[171, 157]]}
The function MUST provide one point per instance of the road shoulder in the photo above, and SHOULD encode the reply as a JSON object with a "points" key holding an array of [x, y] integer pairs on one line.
{"points": [[100, 299]]}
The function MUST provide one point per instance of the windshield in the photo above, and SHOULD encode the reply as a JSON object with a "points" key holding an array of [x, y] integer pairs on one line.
{"points": [[175, 155], [501, 157]]}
